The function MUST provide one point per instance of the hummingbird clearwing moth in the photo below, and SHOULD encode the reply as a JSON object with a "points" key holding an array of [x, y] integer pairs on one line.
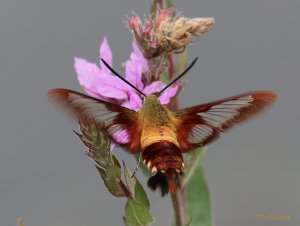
{"points": [[162, 135]]}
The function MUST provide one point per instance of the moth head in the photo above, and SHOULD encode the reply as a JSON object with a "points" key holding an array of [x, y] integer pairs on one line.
{"points": [[151, 99]]}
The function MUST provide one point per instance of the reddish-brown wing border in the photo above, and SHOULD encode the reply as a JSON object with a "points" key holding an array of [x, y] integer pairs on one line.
{"points": [[116, 118], [202, 124]]}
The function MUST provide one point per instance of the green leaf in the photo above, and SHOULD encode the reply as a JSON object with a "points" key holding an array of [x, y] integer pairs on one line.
{"points": [[189, 223], [94, 135], [140, 195], [116, 161], [192, 161], [142, 166], [130, 181], [103, 158], [113, 173], [198, 201], [153, 9], [113, 186], [137, 214], [136, 188]]}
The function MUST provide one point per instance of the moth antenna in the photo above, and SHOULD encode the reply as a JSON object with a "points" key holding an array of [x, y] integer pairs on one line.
{"points": [[179, 76], [123, 79], [137, 166]]}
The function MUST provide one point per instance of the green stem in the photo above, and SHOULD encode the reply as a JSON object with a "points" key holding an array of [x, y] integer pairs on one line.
{"points": [[178, 208], [171, 67], [161, 3], [178, 198], [125, 189], [174, 104]]}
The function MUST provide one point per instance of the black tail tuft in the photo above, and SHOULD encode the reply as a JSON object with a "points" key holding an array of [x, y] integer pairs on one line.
{"points": [[159, 180]]}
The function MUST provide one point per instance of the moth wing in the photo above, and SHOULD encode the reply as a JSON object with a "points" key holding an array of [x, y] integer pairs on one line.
{"points": [[119, 121], [202, 124]]}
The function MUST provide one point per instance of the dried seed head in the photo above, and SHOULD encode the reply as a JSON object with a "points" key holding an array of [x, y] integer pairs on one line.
{"points": [[180, 33], [167, 32]]}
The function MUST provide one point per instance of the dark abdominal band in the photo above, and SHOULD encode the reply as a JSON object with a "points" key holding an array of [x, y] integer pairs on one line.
{"points": [[167, 159]]}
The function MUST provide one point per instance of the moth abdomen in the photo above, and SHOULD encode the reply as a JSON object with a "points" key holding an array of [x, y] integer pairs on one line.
{"points": [[164, 160]]}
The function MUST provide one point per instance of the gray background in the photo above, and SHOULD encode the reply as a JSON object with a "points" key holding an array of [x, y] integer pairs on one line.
{"points": [[44, 174]]}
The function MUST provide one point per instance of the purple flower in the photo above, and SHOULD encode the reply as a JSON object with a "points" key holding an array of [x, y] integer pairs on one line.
{"points": [[100, 83]]}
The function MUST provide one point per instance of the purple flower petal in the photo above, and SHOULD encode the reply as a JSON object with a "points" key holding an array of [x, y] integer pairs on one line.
{"points": [[99, 82], [112, 87], [96, 95], [106, 54], [113, 93], [88, 75], [154, 87], [157, 86], [113, 145], [135, 67], [133, 73], [121, 136], [126, 104], [135, 101], [138, 56], [168, 94]]}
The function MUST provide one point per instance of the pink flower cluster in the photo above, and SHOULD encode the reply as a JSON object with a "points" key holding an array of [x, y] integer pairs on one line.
{"points": [[99, 82]]}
